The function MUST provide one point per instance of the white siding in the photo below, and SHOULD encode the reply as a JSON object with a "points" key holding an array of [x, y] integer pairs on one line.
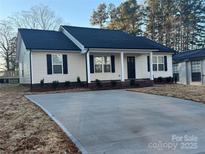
{"points": [[188, 72], [142, 71], [185, 74], [182, 73], [24, 64], [76, 67], [140, 66]]}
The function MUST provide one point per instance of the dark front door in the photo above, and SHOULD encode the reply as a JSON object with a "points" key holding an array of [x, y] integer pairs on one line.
{"points": [[131, 67]]}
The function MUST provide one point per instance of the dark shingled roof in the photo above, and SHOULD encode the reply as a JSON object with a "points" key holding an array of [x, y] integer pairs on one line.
{"points": [[114, 39], [189, 55], [46, 40]]}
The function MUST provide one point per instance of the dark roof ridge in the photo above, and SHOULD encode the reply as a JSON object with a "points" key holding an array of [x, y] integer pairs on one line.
{"points": [[190, 55], [94, 28], [115, 39]]}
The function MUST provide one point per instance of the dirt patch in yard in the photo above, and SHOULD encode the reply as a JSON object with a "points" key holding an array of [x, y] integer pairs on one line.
{"points": [[25, 128], [189, 92]]}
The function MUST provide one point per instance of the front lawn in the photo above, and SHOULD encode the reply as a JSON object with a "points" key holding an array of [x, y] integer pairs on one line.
{"points": [[195, 93], [25, 128]]}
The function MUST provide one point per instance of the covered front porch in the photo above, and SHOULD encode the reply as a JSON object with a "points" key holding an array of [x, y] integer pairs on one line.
{"points": [[122, 65]]}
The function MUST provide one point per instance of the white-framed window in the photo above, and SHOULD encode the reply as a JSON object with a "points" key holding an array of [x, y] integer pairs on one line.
{"points": [[175, 68], [98, 64], [175, 72], [107, 64], [154, 63], [196, 71], [158, 63], [195, 66], [57, 63], [102, 64]]}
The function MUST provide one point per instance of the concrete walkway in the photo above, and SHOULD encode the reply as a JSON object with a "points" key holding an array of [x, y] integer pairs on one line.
{"points": [[122, 122]]}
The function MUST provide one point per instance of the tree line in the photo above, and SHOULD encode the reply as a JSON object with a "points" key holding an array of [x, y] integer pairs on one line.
{"points": [[179, 24], [38, 17]]}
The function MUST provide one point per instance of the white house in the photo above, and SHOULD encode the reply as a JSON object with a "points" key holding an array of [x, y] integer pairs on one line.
{"points": [[89, 53], [189, 67]]}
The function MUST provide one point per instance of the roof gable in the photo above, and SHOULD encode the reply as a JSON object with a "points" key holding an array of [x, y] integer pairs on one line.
{"points": [[104, 38], [46, 40]]}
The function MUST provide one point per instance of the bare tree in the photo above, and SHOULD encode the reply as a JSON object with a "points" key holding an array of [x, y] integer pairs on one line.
{"points": [[7, 44], [38, 17]]}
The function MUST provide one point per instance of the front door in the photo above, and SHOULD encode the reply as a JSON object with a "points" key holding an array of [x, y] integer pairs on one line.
{"points": [[131, 67]]}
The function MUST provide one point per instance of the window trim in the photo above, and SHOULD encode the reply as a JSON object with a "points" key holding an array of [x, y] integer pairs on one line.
{"points": [[103, 63], [98, 64], [199, 63], [177, 68], [157, 56], [154, 63], [52, 55], [160, 63], [175, 71], [107, 64], [200, 72]]}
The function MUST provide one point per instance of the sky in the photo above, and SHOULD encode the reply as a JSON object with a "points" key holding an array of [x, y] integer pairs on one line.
{"points": [[73, 12]]}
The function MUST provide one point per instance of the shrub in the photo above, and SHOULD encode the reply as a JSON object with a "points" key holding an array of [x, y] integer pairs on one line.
{"points": [[79, 83], [132, 82], [169, 79], [42, 83], [159, 79], [67, 83], [98, 83], [137, 85], [113, 83], [175, 79], [78, 80], [55, 84]]}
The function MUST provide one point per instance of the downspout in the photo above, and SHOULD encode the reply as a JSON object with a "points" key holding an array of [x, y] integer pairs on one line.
{"points": [[31, 85], [86, 66]]}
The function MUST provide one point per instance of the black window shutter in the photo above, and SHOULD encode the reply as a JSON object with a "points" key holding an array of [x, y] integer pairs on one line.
{"points": [[49, 64], [148, 64], [165, 63], [91, 64], [113, 63], [65, 64]]}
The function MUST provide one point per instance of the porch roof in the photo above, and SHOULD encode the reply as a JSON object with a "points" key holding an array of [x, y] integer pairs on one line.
{"points": [[113, 39]]}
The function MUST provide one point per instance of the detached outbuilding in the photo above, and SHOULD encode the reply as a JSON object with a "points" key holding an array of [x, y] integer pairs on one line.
{"points": [[189, 67]]}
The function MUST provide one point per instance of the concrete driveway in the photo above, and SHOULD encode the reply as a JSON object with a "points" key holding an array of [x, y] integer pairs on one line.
{"points": [[123, 122]]}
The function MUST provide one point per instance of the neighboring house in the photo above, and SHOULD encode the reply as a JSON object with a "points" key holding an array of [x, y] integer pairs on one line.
{"points": [[89, 53], [189, 67]]}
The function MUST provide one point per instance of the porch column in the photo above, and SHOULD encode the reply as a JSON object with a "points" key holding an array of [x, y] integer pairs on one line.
{"points": [[151, 67], [88, 66], [122, 66]]}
